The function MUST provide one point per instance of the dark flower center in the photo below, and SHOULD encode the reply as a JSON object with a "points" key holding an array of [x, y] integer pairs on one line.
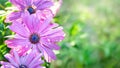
{"points": [[23, 66], [31, 10], [34, 38]]}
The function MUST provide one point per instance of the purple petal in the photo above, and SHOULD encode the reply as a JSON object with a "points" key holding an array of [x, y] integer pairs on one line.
{"points": [[35, 60], [22, 59], [18, 3], [28, 2], [53, 31], [50, 45], [16, 57], [32, 23], [13, 16], [56, 39], [13, 43], [20, 50], [45, 24], [51, 26], [36, 64], [29, 58], [11, 60], [44, 5], [6, 64], [46, 56], [19, 29], [57, 34], [36, 3], [49, 52]]}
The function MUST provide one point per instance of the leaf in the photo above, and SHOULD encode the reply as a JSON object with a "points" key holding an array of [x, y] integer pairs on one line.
{"points": [[8, 4]]}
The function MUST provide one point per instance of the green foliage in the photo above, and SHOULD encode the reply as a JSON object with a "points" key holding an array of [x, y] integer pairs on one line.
{"points": [[4, 31], [92, 34]]}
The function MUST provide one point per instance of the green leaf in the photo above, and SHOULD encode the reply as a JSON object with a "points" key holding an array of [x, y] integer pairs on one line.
{"points": [[8, 4]]}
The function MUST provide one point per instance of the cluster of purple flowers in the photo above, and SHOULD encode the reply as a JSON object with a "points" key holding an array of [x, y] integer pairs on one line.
{"points": [[36, 36]]}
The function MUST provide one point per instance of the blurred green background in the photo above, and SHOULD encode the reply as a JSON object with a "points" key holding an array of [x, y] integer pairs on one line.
{"points": [[92, 34]]}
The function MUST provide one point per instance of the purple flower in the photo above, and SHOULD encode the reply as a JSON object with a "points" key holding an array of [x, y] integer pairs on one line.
{"points": [[30, 6], [30, 60], [42, 35]]}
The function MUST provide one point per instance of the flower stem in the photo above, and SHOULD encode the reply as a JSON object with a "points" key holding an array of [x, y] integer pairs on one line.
{"points": [[47, 64]]}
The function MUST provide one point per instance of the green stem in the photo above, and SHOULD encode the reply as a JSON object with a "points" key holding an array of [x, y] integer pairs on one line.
{"points": [[47, 64]]}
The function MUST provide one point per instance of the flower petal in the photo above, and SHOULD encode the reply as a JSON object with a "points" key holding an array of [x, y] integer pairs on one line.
{"points": [[36, 64], [10, 58], [56, 39], [45, 24], [13, 43], [47, 57], [35, 59], [6, 64], [13, 16], [16, 57], [51, 26], [50, 44], [19, 29], [49, 52], [44, 5], [53, 31], [28, 2], [18, 3], [32, 22], [29, 58]]}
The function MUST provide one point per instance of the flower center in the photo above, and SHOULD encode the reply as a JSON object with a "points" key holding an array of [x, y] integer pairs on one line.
{"points": [[22, 66], [34, 38], [31, 10]]}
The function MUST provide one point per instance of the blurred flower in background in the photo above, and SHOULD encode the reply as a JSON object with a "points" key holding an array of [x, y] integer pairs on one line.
{"points": [[92, 34]]}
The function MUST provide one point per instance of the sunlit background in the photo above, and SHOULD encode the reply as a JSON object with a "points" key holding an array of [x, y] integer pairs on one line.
{"points": [[92, 34]]}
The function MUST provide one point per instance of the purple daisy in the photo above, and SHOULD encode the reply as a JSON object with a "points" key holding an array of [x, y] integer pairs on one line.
{"points": [[30, 60], [30, 6], [43, 35]]}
